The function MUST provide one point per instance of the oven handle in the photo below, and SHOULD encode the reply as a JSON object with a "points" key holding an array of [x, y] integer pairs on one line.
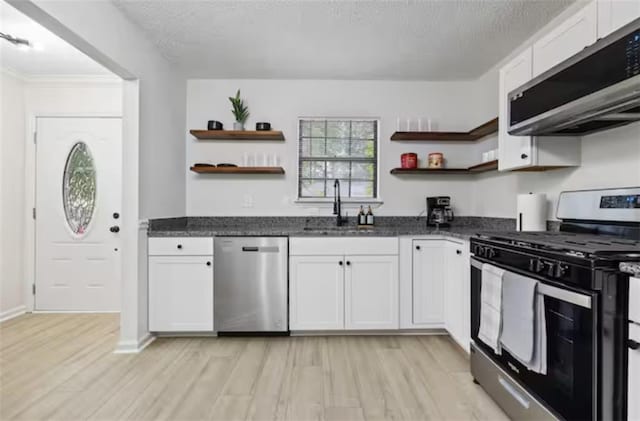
{"points": [[551, 291], [513, 392]]}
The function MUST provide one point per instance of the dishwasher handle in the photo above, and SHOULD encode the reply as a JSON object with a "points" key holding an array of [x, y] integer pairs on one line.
{"points": [[267, 249]]}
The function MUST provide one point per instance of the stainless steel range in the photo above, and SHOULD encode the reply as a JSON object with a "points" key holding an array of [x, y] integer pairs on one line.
{"points": [[575, 313]]}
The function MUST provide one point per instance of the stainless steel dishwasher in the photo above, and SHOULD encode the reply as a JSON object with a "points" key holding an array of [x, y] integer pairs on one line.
{"points": [[250, 284]]}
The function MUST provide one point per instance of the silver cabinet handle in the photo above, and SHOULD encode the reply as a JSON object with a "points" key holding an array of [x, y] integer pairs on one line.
{"points": [[513, 392]]}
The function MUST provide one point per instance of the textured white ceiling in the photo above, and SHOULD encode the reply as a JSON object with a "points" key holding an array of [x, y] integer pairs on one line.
{"points": [[55, 57], [348, 39]]}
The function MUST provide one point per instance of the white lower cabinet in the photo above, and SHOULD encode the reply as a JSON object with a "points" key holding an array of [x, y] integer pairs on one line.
{"points": [[181, 293], [316, 293], [353, 290], [343, 292], [457, 293], [371, 292], [427, 283]]}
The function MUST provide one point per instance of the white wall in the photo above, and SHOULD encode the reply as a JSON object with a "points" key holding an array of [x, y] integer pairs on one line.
{"points": [[12, 130], [609, 159], [281, 102]]}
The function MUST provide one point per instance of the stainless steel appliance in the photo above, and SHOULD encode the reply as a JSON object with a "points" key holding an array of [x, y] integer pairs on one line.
{"points": [[596, 89], [585, 308], [439, 212], [250, 284]]}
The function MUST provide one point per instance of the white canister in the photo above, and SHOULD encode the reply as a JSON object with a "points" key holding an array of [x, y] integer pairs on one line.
{"points": [[531, 212]]}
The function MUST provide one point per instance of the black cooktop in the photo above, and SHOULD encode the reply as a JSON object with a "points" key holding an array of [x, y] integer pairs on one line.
{"points": [[568, 242]]}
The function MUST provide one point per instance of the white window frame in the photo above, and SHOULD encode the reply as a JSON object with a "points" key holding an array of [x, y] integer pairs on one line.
{"points": [[347, 200]]}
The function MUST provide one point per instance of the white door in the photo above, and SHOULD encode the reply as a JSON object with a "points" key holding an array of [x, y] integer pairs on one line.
{"points": [[78, 205], [180, 294], [371, 292], [515, 151], [428, 282], [316, 293], [614, 14], [566, 39]]}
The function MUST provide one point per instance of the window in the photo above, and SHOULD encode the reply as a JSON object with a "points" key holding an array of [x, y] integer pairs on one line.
{"points": [[331, 149], [79, 188]]}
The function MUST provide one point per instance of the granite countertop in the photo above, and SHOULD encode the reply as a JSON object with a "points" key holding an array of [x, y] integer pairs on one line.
{"points": [[632, 268], [462, 227]]}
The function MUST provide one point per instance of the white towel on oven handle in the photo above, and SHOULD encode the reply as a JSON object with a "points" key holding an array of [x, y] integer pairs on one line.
{"points": [[491, 307]]}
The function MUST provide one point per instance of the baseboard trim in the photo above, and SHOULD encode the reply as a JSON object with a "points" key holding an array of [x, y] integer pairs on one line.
{"points": [[414, 332], [133, 347], [12, 313]]}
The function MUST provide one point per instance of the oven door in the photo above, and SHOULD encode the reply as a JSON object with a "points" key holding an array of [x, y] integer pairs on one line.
{"points": [[569, 387]]}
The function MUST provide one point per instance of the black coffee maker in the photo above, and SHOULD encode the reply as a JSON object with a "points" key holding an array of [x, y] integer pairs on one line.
{"points": [[439, 212]]}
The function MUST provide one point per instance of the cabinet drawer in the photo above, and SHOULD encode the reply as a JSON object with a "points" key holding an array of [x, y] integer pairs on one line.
{"points": [[336, 246], [181, 246]]}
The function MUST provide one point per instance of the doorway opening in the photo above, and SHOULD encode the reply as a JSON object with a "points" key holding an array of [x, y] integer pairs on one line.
{"points": [[61, 175]]}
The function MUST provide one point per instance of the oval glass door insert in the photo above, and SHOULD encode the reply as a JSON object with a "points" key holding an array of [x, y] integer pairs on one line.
{"points": [[79, 188]]}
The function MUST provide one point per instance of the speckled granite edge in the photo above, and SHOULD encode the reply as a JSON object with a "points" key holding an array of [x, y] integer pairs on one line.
{"points": [[390, 226], [632, 268]]}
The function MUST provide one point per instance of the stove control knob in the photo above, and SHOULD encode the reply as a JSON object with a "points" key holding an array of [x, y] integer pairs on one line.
{"points": [[491, 253], [561, 270], [551, 269], [536, 265], [478, 251]]}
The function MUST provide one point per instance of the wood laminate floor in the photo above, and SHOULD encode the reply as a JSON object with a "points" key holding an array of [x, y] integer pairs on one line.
{"points": [[62, 367]]}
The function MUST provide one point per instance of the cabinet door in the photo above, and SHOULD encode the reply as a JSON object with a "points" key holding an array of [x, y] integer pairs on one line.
{"points": [[428, 282], [614, 14], [565, 40], [457, 293], [180, 294], [371, 292], [514, 151], [316, 293]]}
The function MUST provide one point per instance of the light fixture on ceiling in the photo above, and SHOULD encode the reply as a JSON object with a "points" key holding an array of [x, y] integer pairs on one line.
{"points": [[18, 42]]}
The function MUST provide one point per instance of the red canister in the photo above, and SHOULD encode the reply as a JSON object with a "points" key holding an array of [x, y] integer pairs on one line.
{"points": [[409, 160]]}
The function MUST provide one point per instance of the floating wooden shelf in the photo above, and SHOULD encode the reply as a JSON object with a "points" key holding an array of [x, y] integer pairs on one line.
{"points": [[479, 132], [267, 135], [237, 170], [485, 166]]}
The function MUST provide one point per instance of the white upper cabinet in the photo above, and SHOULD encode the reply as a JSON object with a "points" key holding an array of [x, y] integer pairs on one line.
{"points": [[518, 152], [514, 151], [614, 14], [566, 39], [371, 292], [316, 292]]}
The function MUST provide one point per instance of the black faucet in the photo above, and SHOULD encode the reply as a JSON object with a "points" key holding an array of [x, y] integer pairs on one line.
{"points": [[337, 206]]}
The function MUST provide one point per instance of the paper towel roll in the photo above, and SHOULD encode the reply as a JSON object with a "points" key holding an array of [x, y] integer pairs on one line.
{"points": [[532, 212]]}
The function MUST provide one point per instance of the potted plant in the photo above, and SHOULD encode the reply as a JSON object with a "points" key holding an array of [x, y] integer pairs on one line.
{"points": [[240, 111]]}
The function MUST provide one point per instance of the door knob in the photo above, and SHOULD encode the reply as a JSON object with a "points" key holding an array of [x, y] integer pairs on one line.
{"points": [[524, 156], [116, 215], [417, 247], [340, 263], [348, 263], [114, 229]]}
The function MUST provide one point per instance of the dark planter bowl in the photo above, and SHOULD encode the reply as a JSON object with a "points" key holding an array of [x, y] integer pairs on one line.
{"points": [[214, 125]]}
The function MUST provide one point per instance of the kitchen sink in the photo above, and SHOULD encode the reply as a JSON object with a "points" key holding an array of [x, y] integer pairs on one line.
{"points": [[332, 230]]}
